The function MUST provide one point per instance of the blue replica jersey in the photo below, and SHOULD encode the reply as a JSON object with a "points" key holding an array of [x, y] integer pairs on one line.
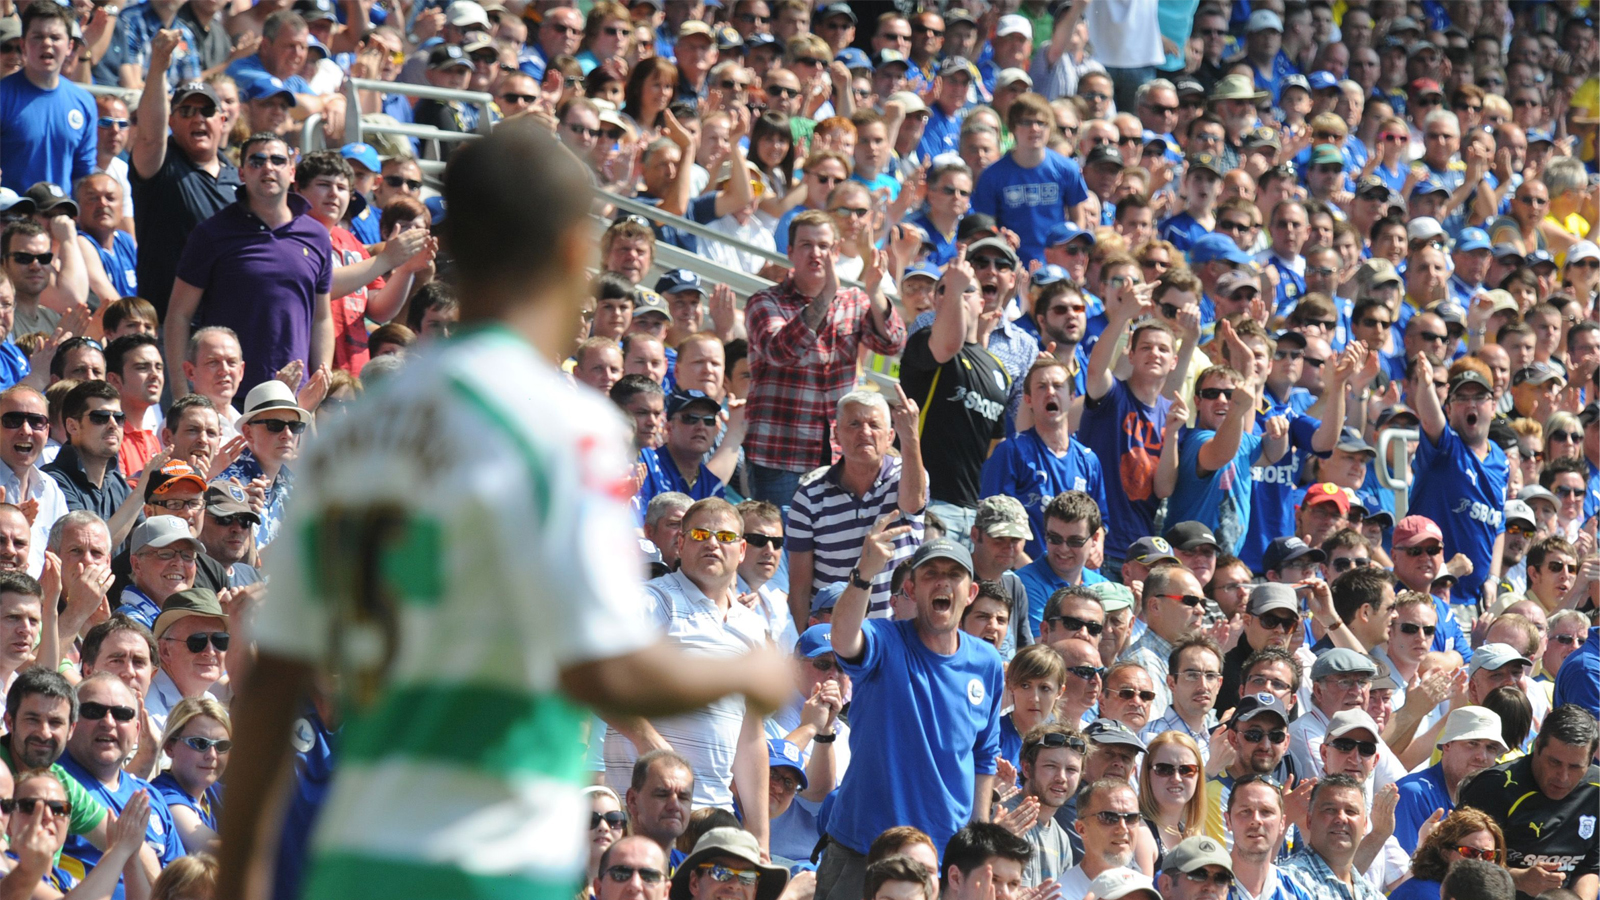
{"points": [[121, 262], [1221, 499], [1420, 794], [1024, 468], [1273, 486], [1591, 497], [313, 770], [1182, 230], [1040, 582], [1126, 436], [1464, 496], [48, 135], [944, 248], [1291, 286], [208, 807], [942, 134], [79, 856], [941, 714], [1030, 201]]}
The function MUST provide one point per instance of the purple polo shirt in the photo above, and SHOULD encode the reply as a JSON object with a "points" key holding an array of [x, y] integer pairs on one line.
{"points": [[261, 282]]}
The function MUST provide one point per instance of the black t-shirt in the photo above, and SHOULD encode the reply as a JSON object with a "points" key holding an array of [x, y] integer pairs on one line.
{"points": [[1538, 829], [443, 116], [166, 207], [963, 404]]}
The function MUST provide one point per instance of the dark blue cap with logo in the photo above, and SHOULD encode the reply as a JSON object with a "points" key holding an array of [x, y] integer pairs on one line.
{"points": [[679, 280]]}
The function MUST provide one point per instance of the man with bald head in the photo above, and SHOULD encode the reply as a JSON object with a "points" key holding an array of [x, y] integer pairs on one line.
{"points": [[24, 429], [632, 868]]}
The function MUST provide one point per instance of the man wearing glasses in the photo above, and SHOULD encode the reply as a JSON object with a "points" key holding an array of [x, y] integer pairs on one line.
{"points": [[1418, 556], [1194, 680], [1256, 743], [1461, 475], [1173, 609], [1340, 680], [86, 467], [192, 640], [632, 868], [263, 267], [1071, 531], [1108, 819], [698, 608], [24, 428], [271, 425]]}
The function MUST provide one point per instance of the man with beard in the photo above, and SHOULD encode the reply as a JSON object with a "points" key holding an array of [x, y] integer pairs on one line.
{"points": [[40, 712], [1470, 742], [1520, 527], [1325, 868], [1270, 618], [1052, 761], [1460, 474], [1108, 814], [228, 532], [1255, 742], [1061, 317], [956, 681]]}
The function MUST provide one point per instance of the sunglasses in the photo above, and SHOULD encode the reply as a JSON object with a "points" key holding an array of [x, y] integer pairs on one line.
{"points": [[1522, 530], [106, 417], [949, 191], [1112, 819], [202, 744], [782, 92], [94, 712], [1556, 568], [11, 47], [262, 160], [1221, 879], [613, 135], [624, 874], [724, 875], [824, 664], [16, 420], [1425, 550], [999, 264], [1262, 681], [1367, 749], [28, 259], [525, 99], [1188, 600], [58, 808], [110, 122], [1412, 628], [810, 61], [1565, 640], [1278, 623], [409, 184], [1345, 563], [691, 419], [1213, 393], [1076, 542], [196, 643], [615, 820], [1167, 770], [189, 112], [239, 521], [1475, 853], [1281, 355], [851, 212], [614, 32], [762, 541], [1073, 623], [1130, 693], [276, 426], [1370, 322], [1233, 225], [723, 537], [1057, 739], [1585, 264], [1087, 673], [1256, 735], [1571, 437]]}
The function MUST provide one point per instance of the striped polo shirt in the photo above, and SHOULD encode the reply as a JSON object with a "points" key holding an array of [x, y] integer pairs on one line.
{"points": [[832, 523]]}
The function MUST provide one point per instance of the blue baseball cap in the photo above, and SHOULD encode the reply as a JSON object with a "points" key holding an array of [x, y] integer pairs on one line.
{"points": [[435, 205], [783, 753], [1540, 137], [815, 641], [1539, 258], [1473, 239], [365, 154], [264, 87], [679, 280], [1049, 274], [1322, 81], [313, 44], [1429, 186], [1066, 232], [1213, 246], [826, 597], [923, 268], [681, 399], [854, 58]]}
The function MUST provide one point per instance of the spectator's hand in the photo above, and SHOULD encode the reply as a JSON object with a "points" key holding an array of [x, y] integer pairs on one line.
{"points": [[1348, 364], [1319, 598], [1276, 428], [35, 847], [227, 455], [402, 247], [724, 312], [1226, 632], [1537, 879], [1427, 691], [1177, 416], [50, 582], [839, 75], [877, 268], [1421, 374], [428, 24], [878, 548], [1297, 802], [1222, 753], [1045, 890], [333, 107], [1004, 772], [1010, 237], [250, 41], [125, 833], [422, 260], [1188, 320], [904, 416], [163, 45], [931, 95], [1383, 804], [1428, 826], [315, 390], [292, 374], [1020, 818], [957, 277], [256, 491]]}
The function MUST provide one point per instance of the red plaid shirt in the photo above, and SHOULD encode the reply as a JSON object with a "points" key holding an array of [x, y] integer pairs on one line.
{"points": [[797, 375]]}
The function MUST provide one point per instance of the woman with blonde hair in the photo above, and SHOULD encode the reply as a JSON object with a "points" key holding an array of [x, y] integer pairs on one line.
{"points": [[608, 823], [188, 878], [1563, 436], [198, 738], [1172, 794]]}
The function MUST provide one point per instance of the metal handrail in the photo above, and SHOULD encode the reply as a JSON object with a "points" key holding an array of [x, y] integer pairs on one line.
{"points": [[353, 125], [129, 96], [657, 214], [311, 138], [1399, 481]]}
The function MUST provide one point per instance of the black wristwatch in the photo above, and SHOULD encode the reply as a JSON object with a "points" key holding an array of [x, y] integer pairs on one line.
{"points": [[826, 738], [857, 581]]}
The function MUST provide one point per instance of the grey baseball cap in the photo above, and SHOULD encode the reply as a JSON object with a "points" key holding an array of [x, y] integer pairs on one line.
{"points": [[1270, 596], [160, 532], [1342, 661], [1110, 731], [1195, 853], [1495, 657], [942, 548]]}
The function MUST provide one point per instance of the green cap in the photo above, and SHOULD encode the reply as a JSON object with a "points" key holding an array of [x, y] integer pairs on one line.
{"points": [[192, 602], [1326, 153], [1113, 596]]}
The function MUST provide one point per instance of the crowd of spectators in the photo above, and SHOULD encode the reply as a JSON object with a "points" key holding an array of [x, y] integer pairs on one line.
{"points": [[1114, 448]]}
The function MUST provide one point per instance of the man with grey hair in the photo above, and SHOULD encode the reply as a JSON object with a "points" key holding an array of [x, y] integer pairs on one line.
{"points": [[1441, 139], [81, 540], [662, 520], [835, 506], [1156, 104], [213, 366]]}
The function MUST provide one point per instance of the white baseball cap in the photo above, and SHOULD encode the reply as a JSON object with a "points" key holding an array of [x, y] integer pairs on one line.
{"points": [[1263, 20], [1581, 251], [1423, 227], [1013, 24], [1495, 657], [1114, 884]]}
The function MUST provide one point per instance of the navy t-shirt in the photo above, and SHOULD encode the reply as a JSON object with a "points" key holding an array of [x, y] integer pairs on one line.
{"points": [[1465, 496], [1024, 468], [1271, 498], [1126, 435], [938, 720], [1030, 201]]}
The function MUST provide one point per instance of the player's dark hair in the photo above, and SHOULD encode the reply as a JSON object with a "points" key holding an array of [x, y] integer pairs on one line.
{"points": [[1474, 879]]}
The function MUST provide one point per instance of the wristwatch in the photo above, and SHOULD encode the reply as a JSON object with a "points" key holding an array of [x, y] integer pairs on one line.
{"points": [[826, 738], [857, 581]]}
